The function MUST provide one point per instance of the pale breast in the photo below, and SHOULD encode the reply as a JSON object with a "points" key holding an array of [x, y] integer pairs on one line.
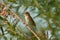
{"points": [[27, 19]]}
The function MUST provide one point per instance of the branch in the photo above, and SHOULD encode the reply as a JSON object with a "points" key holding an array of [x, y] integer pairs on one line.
{"points": [[25, 24]]}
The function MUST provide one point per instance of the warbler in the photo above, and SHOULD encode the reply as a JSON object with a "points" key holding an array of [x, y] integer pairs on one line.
{"points": [[30, 22], [29, 19]]}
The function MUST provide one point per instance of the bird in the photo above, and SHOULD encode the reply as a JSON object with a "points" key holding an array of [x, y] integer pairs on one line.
{"points": [[29, 19], [30, 22]]}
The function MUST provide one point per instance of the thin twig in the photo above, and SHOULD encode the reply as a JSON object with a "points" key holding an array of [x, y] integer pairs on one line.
{"points": [[24, 24]]}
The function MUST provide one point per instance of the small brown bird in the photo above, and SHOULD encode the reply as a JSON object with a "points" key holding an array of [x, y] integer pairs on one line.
{"points": [[29, 19], [30, 22]]}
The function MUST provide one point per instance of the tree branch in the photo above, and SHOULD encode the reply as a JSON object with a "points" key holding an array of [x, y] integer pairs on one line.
{"points": [[25, 24]]}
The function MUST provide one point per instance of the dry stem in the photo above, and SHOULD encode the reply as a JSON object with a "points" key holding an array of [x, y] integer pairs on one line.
{"points": [[25, 25]]}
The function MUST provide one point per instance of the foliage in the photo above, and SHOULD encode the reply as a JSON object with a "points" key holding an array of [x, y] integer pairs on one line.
{"points": [[45, 13]]}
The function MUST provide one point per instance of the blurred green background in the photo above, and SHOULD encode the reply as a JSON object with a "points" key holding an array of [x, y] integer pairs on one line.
{"points": [[45, 13]]}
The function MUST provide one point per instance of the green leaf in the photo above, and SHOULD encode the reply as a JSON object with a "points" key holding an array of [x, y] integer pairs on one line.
{"points": [[1, 18], [12, 0], [4, 19]]}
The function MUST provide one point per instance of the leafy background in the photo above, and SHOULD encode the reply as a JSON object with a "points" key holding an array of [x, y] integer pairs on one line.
{"points": [[45, 13]]}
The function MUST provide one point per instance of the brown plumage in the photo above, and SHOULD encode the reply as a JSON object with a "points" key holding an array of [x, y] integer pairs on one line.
{"points": [[29, 19], [30, 22]]}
